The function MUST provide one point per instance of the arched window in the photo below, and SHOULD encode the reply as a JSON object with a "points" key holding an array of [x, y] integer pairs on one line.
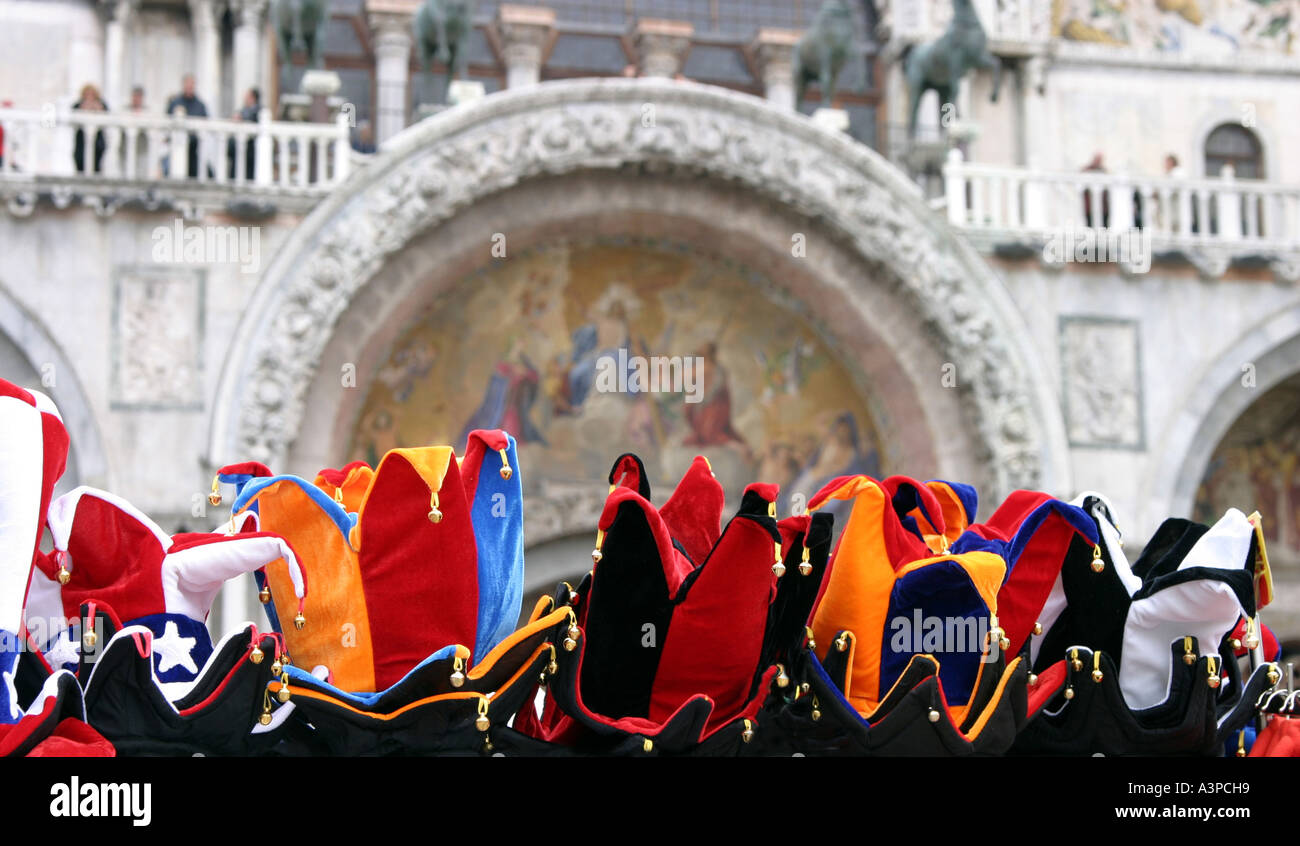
{"points": [[1234, 144]]}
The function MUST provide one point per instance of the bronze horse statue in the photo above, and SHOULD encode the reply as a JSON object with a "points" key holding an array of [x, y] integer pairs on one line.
{"points": [[300, 23], [442, 29], [941, 64], [823, 50]]}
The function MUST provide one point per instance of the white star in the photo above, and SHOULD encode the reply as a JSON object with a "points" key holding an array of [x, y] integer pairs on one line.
{"points": [[173, 650], [64, 651], [11, 695]]}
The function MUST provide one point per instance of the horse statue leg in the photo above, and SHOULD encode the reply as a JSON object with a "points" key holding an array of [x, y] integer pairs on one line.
{"points": [[988, 60], [827, 79]]}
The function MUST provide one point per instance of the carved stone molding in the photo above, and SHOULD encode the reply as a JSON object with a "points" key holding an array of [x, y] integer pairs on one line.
{"points": [[446, 163]]}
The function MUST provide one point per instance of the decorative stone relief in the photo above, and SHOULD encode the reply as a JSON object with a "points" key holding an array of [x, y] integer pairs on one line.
{"points": [[157, 339], [1101, 376]]}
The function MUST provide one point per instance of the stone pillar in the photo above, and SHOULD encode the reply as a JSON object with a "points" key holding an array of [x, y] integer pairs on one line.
{"points": [[773, 51], [661, 46], [204, 20], [250, 22], [392, 37], [117, 20], [1033, 111], [526, 33]]}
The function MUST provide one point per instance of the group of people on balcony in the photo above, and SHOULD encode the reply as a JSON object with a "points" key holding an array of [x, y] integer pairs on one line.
{"points": [[1173, 170], [188, 103]]}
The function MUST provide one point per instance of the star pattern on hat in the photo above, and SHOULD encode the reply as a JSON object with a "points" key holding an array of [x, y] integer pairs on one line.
{"points": [[173, 650], [64, 651]]}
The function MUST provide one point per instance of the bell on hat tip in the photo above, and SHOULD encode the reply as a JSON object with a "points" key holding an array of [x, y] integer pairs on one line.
{"points": [[570, 644], [1033, 679], [457, 679], [276, 667], [1241, 753], [596, 555], [482, 723], [782, 680], [1069, 693], [574, 631], [1274, 677], [1214, 681], [552, 668], [435, 516], [299, 621], [506, 472], [778, 569], [1038, 628], [816, 715], [1097, 676], [1236, 644], [1189, 659], [933, 716], [647, 745], [265, 719], [1004, 644], [88, 639], [841, 643], [1252, 642], [64, 575], [748, 734], [264, 595], [256, 655], [214, 499], [282, 694], [804, 568], [1098, 565], [1076, 665]]}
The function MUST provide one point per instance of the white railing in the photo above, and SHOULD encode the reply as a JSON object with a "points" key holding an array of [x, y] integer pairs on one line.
{"points": [[1225, 210], [110, 147]]}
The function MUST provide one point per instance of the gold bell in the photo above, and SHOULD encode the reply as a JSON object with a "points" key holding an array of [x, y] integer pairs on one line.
{"points": [[647, 745], [1096, 667], [481, 722], [1251, 641], [805, 566], [570, 644], [574, 631], [1273, 675], [842, 642], [435, 513], [1038, 628], [64, 575], [1069, 692], [933, 716], [816, 711], [1236, 644], [1097, 563], [1241, 744], [89, 638], [552, 667], [1075, 663], [812, 642], [214, 498], [265, 719], [748, 734], [778, 569], [1033, 679], [1214, 681], [284, 659], [264, 595], [299, 620], [256, 655], [1189, 657], [596, 555], [1097, 676], [506, 472], [782, 680], [282, 694], [1005, 643], [276, 667], [457, 676]]}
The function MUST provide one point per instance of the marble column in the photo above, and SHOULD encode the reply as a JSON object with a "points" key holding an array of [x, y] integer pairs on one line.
{"points": [[117, 20], [250, 22], [392, 37], [773, 51], [526, 33], [204, 19], [661, 46]]}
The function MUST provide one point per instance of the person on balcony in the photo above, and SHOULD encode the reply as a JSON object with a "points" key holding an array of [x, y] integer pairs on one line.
{"points": [[248, 114], [1096, 166], [90, 101], [189, 103]]}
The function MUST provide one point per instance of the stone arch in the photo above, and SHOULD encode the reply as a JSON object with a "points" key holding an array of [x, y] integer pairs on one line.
{"points": [[1217, 117], [441, 169], [40, 349], [1218, 398]]}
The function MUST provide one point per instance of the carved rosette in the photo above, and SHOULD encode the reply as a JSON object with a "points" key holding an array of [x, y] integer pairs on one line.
{"points": [[443, 165]]}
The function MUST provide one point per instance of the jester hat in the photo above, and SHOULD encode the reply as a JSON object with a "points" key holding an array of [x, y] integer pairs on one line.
{"points": [[432, 556], [666, 652], [1034, 534], [237, 705], [108, 551]]}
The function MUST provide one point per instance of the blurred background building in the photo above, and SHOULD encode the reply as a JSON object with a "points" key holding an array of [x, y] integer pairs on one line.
{"points": [[360, 255]]}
